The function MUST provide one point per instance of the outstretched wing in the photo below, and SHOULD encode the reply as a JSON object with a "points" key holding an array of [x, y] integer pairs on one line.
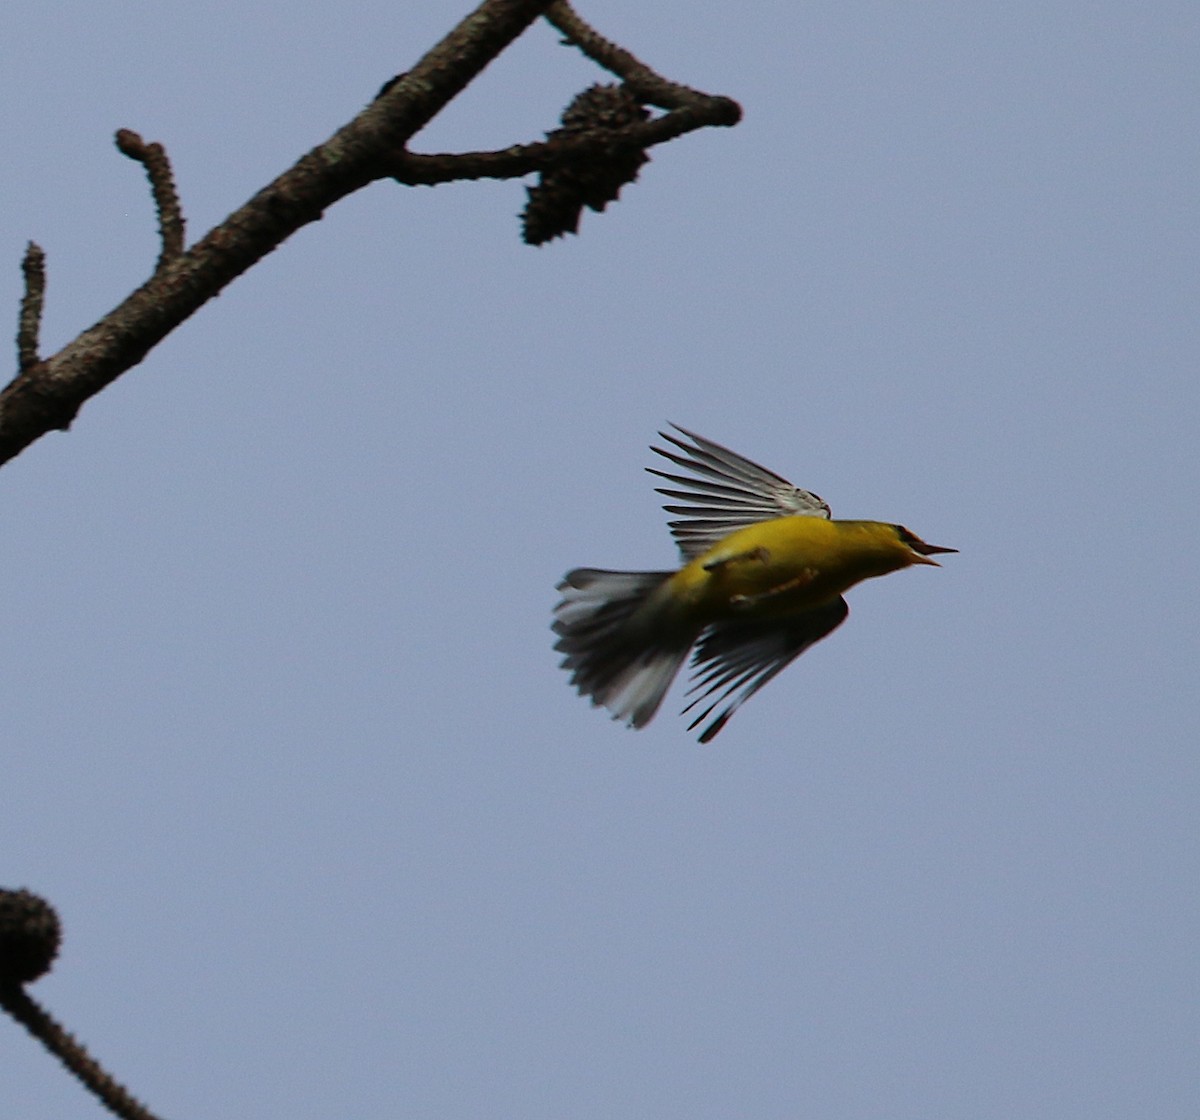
{"points": [[740, 657], [728, 493]]}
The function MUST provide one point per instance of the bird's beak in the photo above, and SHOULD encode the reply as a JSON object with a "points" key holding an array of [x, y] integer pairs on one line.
{"points": [[922, 551]]}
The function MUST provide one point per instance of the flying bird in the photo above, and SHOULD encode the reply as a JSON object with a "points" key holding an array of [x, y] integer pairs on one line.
{"points": [[764, 569]]}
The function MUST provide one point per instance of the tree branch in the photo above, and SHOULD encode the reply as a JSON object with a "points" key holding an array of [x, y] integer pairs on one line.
{"points": [[72, 1053], [47, 394], [644, 83], [415, 169]]}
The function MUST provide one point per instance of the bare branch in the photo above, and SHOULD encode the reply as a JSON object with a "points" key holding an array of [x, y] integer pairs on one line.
{"points": [[644, 83], [72, 1053], [153, 157], [414, 169], [29, 324], [47, 395]]}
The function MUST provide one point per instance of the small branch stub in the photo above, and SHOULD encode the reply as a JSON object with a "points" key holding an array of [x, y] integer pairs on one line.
{"points": [[153, 157], [29, 324]]}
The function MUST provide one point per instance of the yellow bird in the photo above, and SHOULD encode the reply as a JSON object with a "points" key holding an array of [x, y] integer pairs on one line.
{"points": [[764, 569]]}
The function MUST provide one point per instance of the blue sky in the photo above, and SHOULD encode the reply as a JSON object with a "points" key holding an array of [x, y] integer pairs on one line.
{"points": [[286, 742]]}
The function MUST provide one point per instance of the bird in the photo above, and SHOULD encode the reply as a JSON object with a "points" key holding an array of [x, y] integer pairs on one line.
{"points": [[764, 567]]}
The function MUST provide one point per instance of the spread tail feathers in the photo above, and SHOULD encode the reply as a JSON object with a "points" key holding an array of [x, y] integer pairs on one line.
{"points": [[613, 652]]}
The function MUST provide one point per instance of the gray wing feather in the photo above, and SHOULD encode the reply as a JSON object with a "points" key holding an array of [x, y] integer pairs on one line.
{"points": [[741, 657], [727, 493]]}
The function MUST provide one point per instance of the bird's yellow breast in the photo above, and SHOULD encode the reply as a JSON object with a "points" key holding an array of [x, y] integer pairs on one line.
{"points": [[785, 566]]}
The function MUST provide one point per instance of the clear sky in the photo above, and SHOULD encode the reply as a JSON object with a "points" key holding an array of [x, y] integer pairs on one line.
{"points": [[285, 740]]}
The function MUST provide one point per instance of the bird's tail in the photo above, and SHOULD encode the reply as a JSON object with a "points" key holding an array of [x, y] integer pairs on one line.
{"points": [[615, 653]]}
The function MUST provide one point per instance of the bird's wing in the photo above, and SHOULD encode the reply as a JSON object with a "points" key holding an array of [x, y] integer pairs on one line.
{"points": [[728, 493], [740, 657]]}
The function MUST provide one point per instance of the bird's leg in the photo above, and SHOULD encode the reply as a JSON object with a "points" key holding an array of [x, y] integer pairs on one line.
{"points": [[760, 554], [803, 579]]}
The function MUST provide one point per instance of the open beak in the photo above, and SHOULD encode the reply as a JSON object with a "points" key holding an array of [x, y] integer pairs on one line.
{"points": [[923, 552]]}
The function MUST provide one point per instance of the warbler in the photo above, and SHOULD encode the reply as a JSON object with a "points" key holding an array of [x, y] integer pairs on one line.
{"points": [[764, 571]]}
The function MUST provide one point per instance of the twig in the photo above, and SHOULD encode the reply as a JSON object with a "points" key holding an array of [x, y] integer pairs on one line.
{"points": [[29, 323], [64, 1046], [153, 157], [644, 83], [415, 169], [688, 110]]}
